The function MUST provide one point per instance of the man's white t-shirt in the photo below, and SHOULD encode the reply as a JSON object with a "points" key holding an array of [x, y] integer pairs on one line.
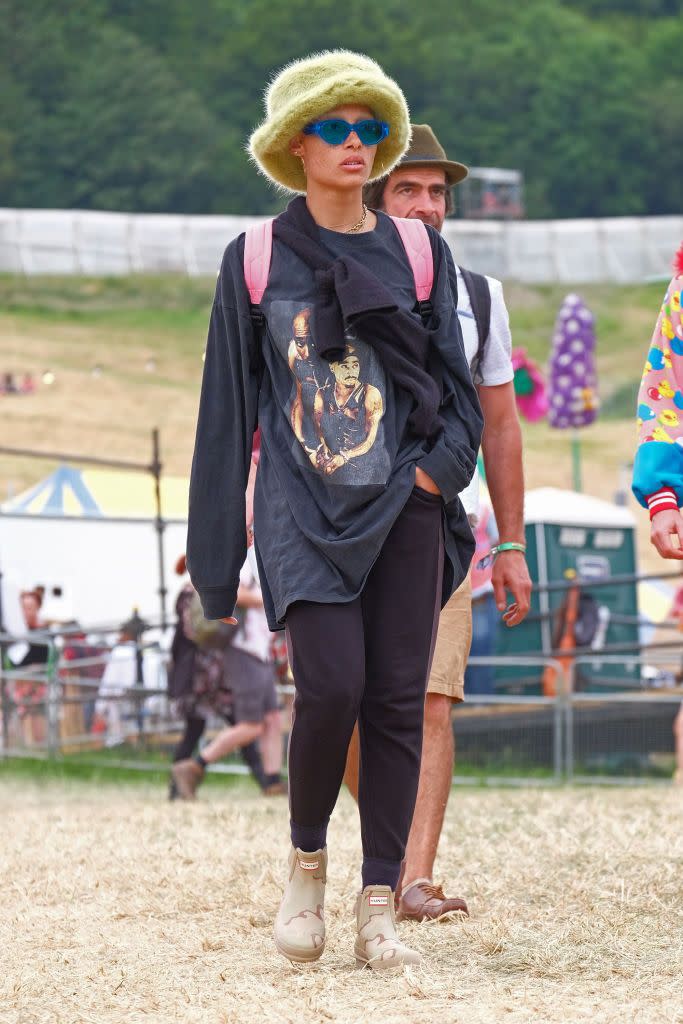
{"points": [[496, 366], [254, 636]]}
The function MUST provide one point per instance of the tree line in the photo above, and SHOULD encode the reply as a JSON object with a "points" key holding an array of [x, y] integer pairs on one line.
{"points": [[117, 104]]}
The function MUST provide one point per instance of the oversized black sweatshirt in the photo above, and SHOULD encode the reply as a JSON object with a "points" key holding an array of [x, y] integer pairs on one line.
{"points": [[338, 455]]}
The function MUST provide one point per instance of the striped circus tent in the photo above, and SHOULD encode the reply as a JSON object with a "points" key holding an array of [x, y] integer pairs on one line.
{"points": [[100, 493]]}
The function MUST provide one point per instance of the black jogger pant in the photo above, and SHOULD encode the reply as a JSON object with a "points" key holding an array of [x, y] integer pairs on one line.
{"points": [[368, 660]]}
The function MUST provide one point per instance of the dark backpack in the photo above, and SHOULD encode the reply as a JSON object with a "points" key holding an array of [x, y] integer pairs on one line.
{"points": [[480, 300]]}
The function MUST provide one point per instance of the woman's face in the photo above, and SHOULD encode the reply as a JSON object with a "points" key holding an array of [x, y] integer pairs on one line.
{"points": [[30, 608], [345, 166]]}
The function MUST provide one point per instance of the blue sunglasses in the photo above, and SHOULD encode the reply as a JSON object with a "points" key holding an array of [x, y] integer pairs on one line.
{"points": [[334, 131]]}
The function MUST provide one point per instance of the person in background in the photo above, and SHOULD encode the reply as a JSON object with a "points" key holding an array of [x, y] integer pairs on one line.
{"points": [[30, 693], [480, 679], [421, 188], [658, 465], [120, 675], [248, 669], [199, 687], [80, 683]]}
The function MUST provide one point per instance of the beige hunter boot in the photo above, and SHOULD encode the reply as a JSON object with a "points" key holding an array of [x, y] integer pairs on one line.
{"points": [[378, 945], [300, 923]]}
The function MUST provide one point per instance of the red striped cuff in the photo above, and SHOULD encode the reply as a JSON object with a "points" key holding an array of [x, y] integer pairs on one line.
{"points": [[662, 501]]}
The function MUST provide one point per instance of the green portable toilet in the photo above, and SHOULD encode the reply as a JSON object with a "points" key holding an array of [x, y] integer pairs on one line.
{"points": [[569, 533]]}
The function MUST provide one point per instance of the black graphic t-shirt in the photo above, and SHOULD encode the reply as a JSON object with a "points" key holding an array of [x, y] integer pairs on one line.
{"points": [[337, 454]]}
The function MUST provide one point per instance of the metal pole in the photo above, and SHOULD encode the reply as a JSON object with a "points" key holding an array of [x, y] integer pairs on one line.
{"points": [[4, 697], [52, 702], [558, 729], [576, 461], [138, 630], [160, 525], [569, 724], [86, 460]]}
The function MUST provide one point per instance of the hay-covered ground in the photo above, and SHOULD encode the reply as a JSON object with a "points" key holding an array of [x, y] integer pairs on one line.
{"points": [[117, 906]]}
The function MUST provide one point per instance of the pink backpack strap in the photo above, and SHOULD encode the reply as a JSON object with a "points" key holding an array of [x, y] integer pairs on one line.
{"points": [[258, 250], [419, 251]]}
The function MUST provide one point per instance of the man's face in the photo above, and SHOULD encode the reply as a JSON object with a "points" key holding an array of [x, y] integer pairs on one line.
{"points": [[418, 193], [347, 371]]}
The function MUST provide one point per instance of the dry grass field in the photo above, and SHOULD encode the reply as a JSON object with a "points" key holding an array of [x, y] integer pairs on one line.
{"points": [[118, 907]]}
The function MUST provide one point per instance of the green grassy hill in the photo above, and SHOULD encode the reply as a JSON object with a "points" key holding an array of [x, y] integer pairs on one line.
{"points": [[70, 325]]}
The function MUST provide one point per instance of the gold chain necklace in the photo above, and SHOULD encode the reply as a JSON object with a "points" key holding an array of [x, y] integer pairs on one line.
{"points": [[360, 224]]}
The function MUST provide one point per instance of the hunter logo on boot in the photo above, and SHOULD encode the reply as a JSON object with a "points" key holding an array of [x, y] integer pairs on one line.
{"points": [[376, 900], [308, 865]]}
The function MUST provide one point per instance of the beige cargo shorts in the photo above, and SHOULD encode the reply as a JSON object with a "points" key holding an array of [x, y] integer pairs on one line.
{"points": [[453, 645]]}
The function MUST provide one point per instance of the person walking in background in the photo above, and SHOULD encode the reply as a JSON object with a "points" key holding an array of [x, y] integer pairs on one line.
{"points": [[658, 465], [199, 687], [247, 669], [420, 188], [125, 664], [30, 693], [355, 566], [481, 679]]}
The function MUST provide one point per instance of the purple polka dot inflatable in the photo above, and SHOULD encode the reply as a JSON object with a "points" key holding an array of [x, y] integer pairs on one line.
{"points": [[572, 379]]}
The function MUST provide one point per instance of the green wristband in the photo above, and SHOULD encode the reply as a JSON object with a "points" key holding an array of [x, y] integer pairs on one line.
{"points": [[510, 545]]}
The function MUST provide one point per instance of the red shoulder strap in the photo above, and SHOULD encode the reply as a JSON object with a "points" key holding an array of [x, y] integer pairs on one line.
{"points": [[258, 250], [419, 251]]}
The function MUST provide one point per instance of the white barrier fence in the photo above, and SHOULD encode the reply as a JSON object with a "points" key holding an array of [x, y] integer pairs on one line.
{"points": [[623, 250]]}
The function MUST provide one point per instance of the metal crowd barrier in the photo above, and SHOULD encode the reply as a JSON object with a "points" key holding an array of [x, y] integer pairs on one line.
{"points": [[502, 738], [621, 720], [35, 700]]}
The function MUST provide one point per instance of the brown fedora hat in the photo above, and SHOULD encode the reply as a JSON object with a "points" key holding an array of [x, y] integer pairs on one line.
{"points": [[426, 151]]}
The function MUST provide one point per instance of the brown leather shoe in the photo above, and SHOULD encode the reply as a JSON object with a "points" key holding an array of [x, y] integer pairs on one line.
{"points": [[424, 901], [187, 776], [399, 888]]}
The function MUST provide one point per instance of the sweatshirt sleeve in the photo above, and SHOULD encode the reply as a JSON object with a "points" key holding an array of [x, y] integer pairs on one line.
{"points": [[452, 460], [216, 537], [658, 467]]}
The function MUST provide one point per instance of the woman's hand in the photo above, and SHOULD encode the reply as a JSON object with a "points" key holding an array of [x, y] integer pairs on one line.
{"points": [[231, 621], [666, 526], [425, 482]]}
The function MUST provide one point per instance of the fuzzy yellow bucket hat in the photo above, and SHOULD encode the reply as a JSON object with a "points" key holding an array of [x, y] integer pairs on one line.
{"points": [[308, 88]]}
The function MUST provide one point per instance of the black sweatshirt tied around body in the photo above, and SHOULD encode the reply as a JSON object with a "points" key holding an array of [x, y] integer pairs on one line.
{"points": [[348, 296], [340, 436]]}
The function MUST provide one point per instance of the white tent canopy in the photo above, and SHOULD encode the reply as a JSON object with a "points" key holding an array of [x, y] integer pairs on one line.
{"points": [[569, 508], [91, 535]]}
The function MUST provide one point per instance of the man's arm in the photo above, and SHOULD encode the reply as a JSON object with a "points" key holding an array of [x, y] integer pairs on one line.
{"points": [[374, 410], [501, 446], [249, 597], [249, 502]]}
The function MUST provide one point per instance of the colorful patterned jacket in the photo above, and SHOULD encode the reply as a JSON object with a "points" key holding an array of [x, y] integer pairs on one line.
{"points": [[658, 468]]}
